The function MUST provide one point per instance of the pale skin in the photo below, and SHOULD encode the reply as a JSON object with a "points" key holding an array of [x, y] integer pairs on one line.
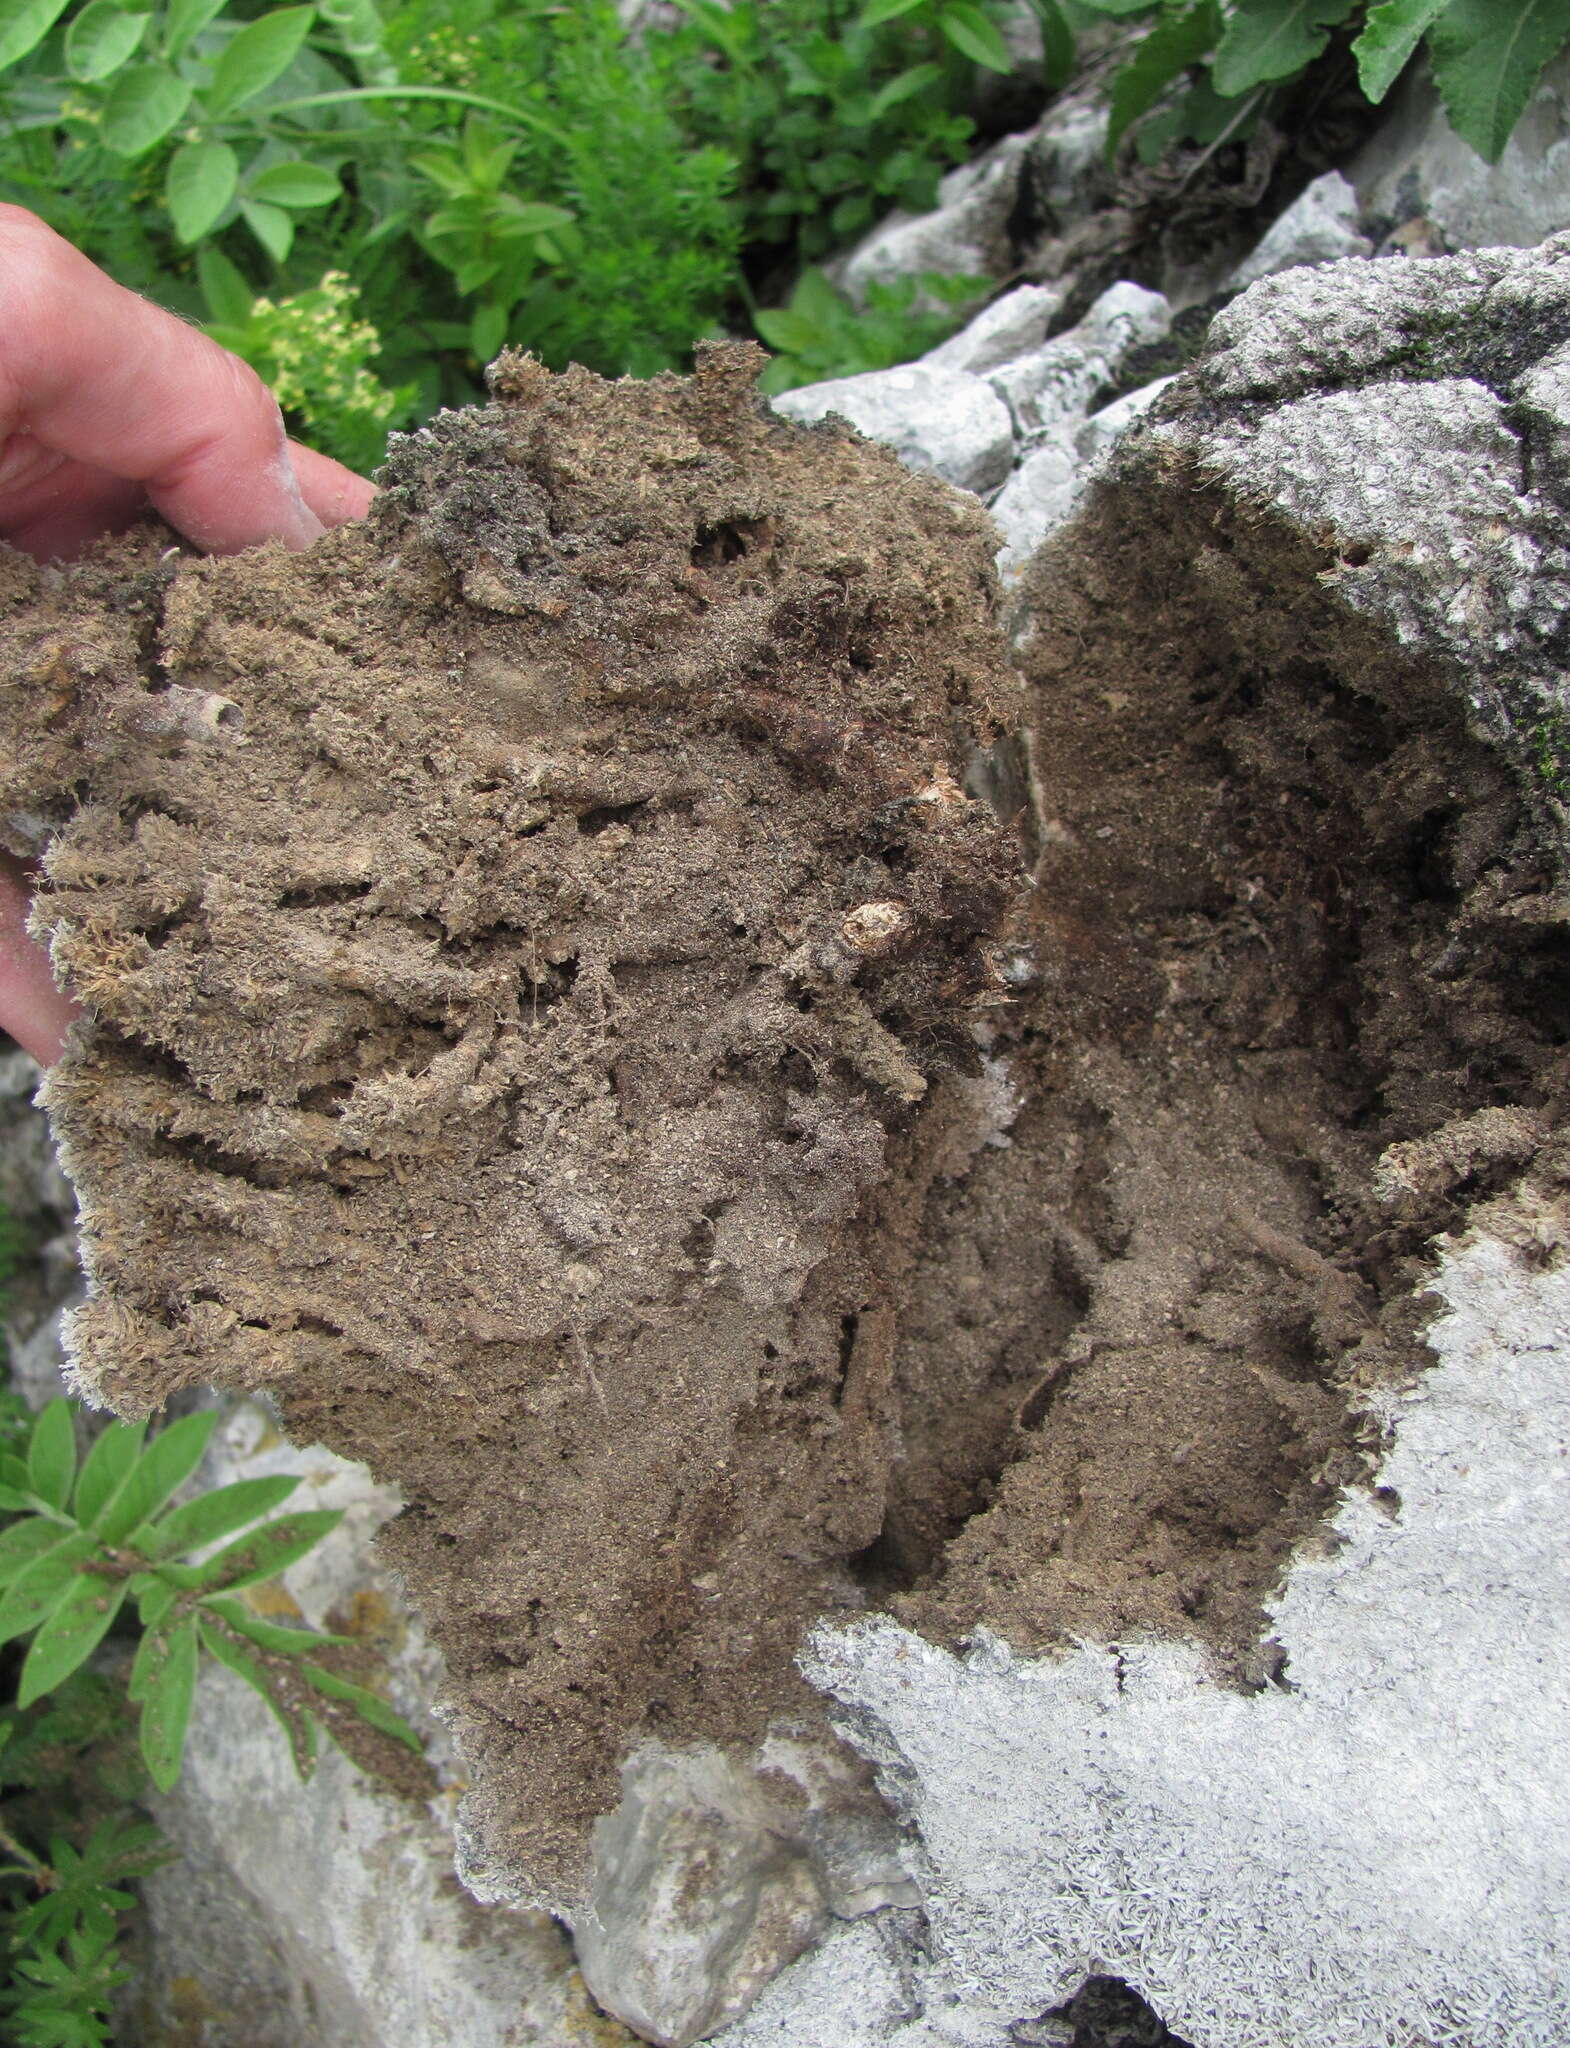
{"points": [[109, 406]]}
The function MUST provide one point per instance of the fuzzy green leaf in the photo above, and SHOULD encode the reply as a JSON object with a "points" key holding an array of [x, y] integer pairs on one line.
{"points": [[69, 1636], [102, 38], [260, 53], [1177, 41], [1390, 35], [185, 21], [217, 1514], [1487, 60], [1270, 39], [51, 1454], [23, 26], [294, 185], [969, 30], [168, 1687], [167, 1462], [268, 1550], [144, 103], [229, 298], [297, 1725], [370, 1706], [198, 185], [104, 1469]]}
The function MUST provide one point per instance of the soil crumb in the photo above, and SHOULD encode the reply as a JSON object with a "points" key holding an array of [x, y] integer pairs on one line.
{"points": [[522, 935]]}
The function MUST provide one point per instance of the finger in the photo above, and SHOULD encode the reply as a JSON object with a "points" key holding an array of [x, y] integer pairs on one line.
{"points": [[51, 507], [32, 1008], [333, 493], [111, 381]]}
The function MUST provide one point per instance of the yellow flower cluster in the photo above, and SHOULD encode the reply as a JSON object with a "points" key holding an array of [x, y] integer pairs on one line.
{"points": [[317, 353]]}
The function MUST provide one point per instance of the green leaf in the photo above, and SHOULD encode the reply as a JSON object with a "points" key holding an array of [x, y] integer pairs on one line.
{"points": [[229, 299], [1118, 7], [23, 26], [529, 216], [23, 1541], [267, 1635], [1390, 35], [294, 184], [268, 1550], [51, 1454], [168, 1688], [216, 1514], [271, 226], [198, 185], [185, 21], [902, 88], [969, 30], [154, 1596], [14, 1501], [782, 329], [1177, 41], [261, 52], [879, 11], [69, 1636], [1269, 39], [111, 1457], [444, 172], [1487, 59], [1058, 52], [144, 103], [167, 1462], [370, 1706], [100, 40], [39, 1585], [296, 1725], [488, 330]]}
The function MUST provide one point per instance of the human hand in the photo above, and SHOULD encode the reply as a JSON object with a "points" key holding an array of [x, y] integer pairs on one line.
{"points": [[109, 405]]}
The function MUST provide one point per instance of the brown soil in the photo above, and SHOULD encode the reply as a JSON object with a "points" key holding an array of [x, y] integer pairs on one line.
{"points": [[560, 1026], [521, 935], [1301, 1001]]}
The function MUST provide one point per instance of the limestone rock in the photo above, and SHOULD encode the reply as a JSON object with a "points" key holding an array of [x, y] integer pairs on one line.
{"points": [[327, 1910], [1011, 326], [1417, 168], [1322, 225], [1051, 388], [965, 235], [939, 422], [710, 1877], [1343, 1859], [1043, 491]]}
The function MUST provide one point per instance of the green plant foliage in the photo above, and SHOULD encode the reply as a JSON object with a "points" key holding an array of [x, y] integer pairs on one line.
{"points": [[87, 1547], [820, 334], [1204, 71]]}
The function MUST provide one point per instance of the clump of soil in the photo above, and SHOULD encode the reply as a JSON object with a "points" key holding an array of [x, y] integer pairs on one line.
{"points": [[523, 935], [561, 1025], [1301, 1001]]}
